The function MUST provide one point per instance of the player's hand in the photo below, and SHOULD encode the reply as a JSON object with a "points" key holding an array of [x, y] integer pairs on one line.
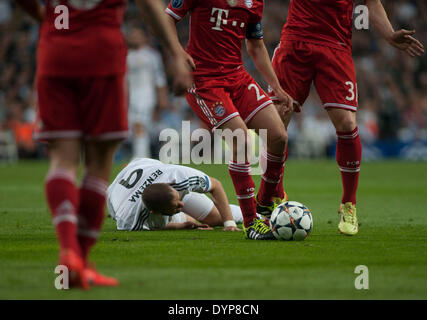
{"points": [[285, 101], [198, 226], [204, 227], [231, 229], [182, 77], [283, 112], [404, 41], [190, 61]]}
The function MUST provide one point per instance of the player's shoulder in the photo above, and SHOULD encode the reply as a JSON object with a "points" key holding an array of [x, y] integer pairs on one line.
{"points": [[144, 162], [138, 164], [256, 8], [181, 172], [256, 4]]}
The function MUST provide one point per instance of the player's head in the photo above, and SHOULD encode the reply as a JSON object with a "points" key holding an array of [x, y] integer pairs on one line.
{"points": [[161, 198], [136, 38]]}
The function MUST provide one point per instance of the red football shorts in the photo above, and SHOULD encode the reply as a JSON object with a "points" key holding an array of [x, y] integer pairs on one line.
{"points": [[298, 64], [217, 100], [93, 108]]}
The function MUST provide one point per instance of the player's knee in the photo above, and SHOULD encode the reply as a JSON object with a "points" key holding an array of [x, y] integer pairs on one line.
{"points": [[278, 140], [347, 124]]}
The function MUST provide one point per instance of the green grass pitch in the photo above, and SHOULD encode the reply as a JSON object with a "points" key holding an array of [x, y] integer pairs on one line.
{"points": [[191, 264]]}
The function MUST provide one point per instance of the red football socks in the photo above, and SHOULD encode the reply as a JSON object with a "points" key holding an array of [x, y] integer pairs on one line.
{"points": [[91, 212], [348, 156], [271, 178], [245, 189], [280, 192], [63, 199]]}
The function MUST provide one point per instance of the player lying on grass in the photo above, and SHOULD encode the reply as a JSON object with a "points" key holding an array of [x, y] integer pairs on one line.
{"points": [[149, 195], [198, 211]]}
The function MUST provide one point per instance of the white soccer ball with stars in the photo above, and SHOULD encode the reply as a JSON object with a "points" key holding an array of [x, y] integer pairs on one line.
{"points": [[291, 220]]}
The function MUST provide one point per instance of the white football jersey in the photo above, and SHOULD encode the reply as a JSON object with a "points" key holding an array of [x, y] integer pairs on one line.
{"points": [[124, 194], [145, 74]]}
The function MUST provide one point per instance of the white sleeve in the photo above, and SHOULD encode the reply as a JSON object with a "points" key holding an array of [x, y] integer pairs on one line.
{"points": [[190, 179], [156, 222], [178, 218]]}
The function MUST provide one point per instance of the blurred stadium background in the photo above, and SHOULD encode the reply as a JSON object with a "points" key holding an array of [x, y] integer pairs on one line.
{"points": [[392, 88]]}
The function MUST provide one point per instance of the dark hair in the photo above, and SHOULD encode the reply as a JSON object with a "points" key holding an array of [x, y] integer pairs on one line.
{"points": [[157, 196]]}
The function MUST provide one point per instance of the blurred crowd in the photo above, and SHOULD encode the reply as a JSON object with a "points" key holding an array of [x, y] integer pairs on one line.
{"points": [[392, 87]]}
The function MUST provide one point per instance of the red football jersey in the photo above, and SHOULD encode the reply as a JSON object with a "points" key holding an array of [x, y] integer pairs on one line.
{"points": [[217, 29], [93, 44], [327, 22]]}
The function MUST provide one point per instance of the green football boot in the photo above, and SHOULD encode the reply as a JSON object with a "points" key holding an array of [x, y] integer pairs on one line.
{"points": [[348, 224], [258, 230], [266, 211]]}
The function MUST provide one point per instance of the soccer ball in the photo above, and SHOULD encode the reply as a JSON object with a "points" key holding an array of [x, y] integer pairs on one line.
{"points": [[291, 220]]}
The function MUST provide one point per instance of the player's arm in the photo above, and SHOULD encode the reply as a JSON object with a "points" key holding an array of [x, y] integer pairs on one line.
{"points": [[162, 99], [161, 86], [172, 23], [153, 13], [259, 55], [401, 39], [34, 8], [220, 201], [191, 223]]}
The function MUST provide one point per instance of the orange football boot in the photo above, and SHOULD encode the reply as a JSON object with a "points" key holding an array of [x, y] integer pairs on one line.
{"points": [[94, 278], [75, 265]]}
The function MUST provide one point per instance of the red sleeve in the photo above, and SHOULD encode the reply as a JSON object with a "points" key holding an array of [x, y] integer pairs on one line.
{"points": [[256, 12], [179, 8]]}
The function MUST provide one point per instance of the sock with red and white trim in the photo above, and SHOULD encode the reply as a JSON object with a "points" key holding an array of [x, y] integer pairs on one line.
{"points": [[349, 156], [63, 199], [91, 212], [245, 189], [271, 177]]}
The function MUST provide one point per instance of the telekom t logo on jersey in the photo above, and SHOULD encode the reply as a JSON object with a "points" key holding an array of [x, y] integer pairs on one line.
{"points": [[219, 17]]}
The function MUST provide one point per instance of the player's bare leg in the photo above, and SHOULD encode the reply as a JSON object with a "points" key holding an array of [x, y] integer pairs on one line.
{"points": [[240, 173], [274, 157], [348, 155], [140, 142], [240, 169], [280, 194], [213, 219], [63, 200], [98, 163]]}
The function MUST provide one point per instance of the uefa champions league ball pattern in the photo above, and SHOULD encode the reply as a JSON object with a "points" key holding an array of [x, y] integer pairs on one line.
{"points": [[291, 220]]}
